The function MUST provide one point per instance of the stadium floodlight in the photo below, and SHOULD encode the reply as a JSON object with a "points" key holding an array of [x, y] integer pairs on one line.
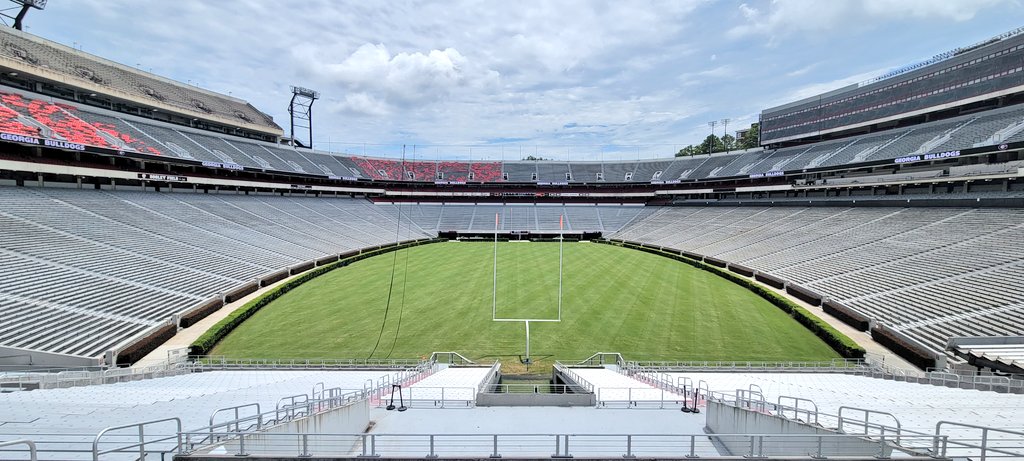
{"points": [[22, 6], [301, 111]]}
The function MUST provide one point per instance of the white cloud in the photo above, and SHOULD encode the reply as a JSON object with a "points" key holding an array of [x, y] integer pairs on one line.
{"points": [[784, 17], [372, 77]]}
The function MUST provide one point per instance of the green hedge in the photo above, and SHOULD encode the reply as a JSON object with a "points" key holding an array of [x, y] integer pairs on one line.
{"points": [[205, 343], [838, 341]]}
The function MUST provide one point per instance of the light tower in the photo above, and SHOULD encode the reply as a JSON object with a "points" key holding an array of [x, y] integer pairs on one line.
{"points": [[301, 110], [22, 6], [711, 140], [725, 131]]}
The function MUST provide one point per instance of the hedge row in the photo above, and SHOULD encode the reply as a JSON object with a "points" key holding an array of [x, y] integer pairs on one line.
{"points": [[904, 347], [205, 343], [137, 350], [846, 315], [838, 341]]}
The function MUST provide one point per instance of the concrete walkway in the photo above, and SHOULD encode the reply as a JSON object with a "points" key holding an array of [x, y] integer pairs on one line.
{"points": [[185, 337]]}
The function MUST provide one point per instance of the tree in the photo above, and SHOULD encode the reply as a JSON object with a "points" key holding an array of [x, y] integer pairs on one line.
{"points": [[752, 137], [688, 151], [711, 144], [729, 142], [533, 159]]}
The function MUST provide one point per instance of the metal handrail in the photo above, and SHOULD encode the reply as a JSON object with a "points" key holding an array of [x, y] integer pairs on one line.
{"points": [[566, 445], [32, 455], [142, 437], [983, 447], [866, 423]]}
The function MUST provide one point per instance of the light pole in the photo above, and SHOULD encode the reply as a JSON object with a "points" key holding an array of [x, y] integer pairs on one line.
{"points": [[725, 131], [711, 140]]}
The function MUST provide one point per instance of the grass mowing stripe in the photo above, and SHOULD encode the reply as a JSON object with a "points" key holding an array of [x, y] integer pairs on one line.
{"points": [[614, 299]]}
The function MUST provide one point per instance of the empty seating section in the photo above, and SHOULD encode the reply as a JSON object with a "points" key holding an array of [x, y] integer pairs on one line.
{"points": [[711, 166], [743, 163], [616, 171], [106, 265], [486, 171], [588, 172], [682, 167], [645, 171], [457, 171], [931, 272], [10, 120], [450, 384], [552, 172], [459, 217], [117, 129], [78, 66], [376, 168], [521, 171]]}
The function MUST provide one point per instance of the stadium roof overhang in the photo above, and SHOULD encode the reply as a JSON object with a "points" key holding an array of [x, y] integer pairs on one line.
{"points": [[23, 71]]}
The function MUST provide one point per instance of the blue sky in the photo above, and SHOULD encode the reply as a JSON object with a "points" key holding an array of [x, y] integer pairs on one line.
{"points": [[570, 79]]}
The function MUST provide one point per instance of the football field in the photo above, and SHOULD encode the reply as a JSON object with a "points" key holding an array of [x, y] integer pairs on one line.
{"points": [[443, 297]]}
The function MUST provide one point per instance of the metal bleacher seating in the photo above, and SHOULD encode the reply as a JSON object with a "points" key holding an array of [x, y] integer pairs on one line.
{"points": [[107, 265], [929, 272]]}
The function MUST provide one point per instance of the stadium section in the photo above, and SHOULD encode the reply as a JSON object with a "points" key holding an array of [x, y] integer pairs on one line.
{"points": [[108, 82], [930, 273], [986, 70]]}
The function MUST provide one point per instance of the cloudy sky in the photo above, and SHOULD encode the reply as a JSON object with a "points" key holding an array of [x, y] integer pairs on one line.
{"points": [[483, 79]]}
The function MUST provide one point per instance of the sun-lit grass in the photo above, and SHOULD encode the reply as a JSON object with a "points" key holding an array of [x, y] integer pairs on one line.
{"points": [[614, 300]]}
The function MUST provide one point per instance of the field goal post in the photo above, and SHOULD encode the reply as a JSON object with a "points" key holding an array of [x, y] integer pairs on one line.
{"points": [[494, 290]]}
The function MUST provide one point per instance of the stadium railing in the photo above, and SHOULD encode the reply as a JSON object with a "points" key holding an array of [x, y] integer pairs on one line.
{"points": [[496, 446], [218, 362]]}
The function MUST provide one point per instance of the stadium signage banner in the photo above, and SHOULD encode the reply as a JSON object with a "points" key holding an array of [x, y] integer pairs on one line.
{"points": [[162, 177], [302, 186], [769, 174], [41, 141], [919, 158], [228, 166]]}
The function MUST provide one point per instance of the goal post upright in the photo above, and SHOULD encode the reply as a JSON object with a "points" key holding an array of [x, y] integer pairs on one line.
{"points": [[494, 287]]}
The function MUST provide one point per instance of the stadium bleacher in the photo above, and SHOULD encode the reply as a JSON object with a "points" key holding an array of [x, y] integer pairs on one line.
{"points": [[74, 260], [931, 273]]}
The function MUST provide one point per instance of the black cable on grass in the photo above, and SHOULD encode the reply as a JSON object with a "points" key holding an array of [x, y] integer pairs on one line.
{"points": [[401, 306], [391, 284]]}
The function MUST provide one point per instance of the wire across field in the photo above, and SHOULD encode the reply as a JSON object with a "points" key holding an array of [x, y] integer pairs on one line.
{"points": [[614, 300]]}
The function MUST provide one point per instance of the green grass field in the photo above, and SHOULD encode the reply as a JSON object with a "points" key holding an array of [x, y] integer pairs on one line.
{"points": [[614, 300]]}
